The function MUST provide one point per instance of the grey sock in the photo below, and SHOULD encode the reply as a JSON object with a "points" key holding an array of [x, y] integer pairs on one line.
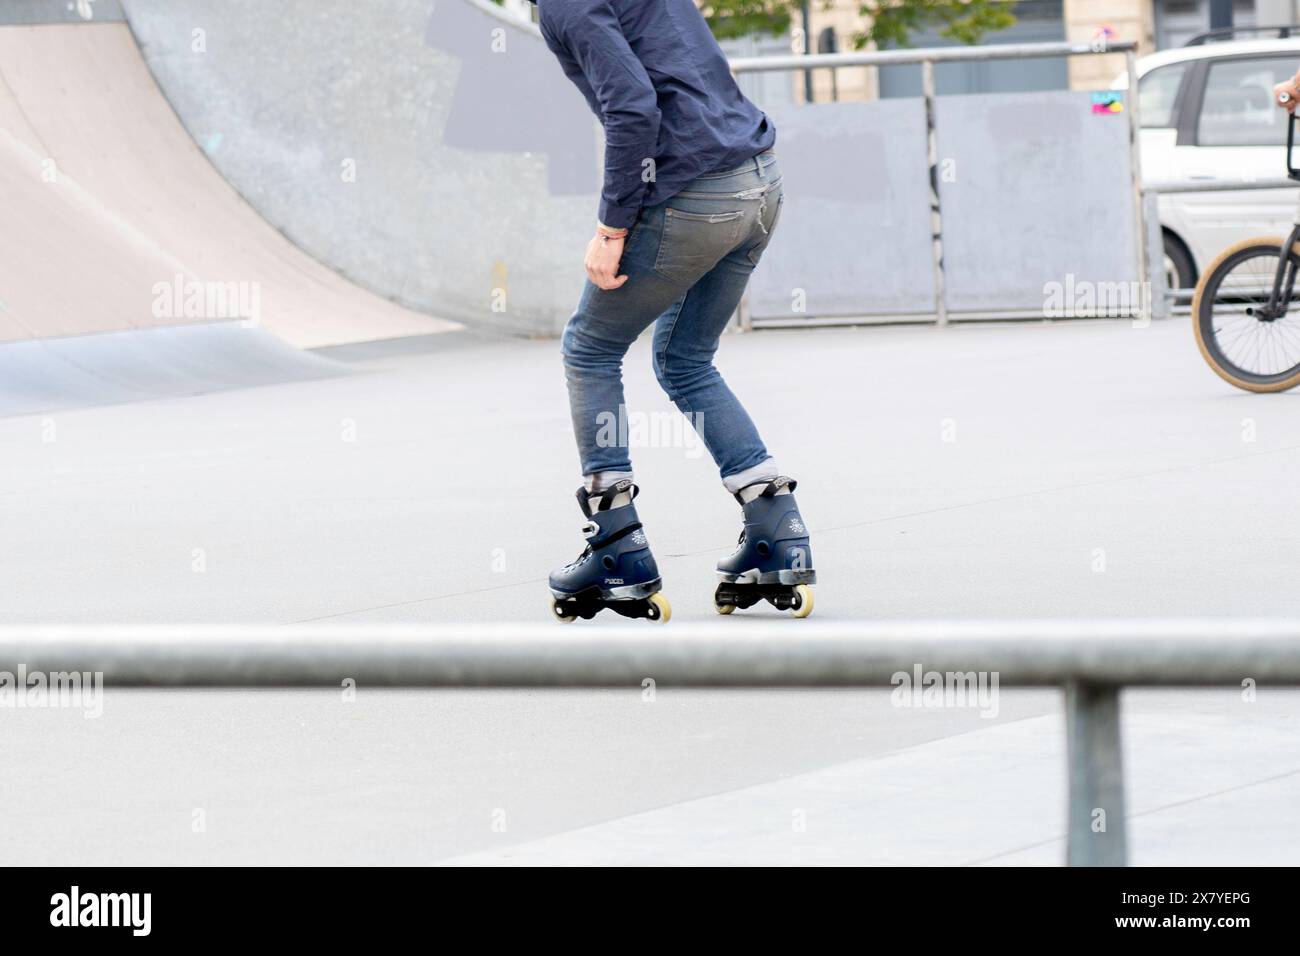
{"points": [[763, 471], [600, 480]]}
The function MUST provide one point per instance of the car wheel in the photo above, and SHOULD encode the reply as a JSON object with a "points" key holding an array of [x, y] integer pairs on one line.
{"points": [[1180, 271]]}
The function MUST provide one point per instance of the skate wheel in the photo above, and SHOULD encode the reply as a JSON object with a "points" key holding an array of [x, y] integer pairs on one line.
{"points": [[559, 613], [802, 605], [722, 607], [659, 610]]}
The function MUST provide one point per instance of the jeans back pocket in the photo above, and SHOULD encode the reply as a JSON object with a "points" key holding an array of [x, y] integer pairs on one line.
{"points": [[693, 242]]}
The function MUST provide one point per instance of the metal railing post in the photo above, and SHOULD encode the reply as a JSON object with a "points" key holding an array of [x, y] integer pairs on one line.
{"points": [[1135, 171], [1160, 297], [936, 217], [1096, 829]]}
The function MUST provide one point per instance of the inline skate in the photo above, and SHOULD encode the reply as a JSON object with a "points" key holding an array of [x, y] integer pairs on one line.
{"points": [[617, 570], [772, 561]]}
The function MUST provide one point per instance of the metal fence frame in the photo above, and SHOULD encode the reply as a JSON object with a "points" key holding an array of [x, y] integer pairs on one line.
{"points": [[1091, 660], [928, 57]]}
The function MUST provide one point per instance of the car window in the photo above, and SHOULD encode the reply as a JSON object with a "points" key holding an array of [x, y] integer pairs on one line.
{"points": [[1157, 93], [1238, 107]]}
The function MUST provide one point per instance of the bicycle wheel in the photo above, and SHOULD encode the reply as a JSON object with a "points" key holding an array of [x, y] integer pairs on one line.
{"points": [[1239, 338]]}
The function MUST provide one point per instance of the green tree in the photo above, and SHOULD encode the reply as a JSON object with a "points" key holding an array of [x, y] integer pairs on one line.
{"points": [[893, 22]]}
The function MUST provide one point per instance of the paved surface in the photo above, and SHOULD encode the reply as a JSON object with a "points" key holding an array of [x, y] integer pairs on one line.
{"points": [[1094, 469], [44, 375]]}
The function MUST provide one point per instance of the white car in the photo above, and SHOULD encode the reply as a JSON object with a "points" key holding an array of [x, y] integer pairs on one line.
{"points": [[1207, 114]]}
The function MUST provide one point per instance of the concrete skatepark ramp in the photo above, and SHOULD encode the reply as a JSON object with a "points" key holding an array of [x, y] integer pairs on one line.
{"points": [[107, 196], [155, 155], [433, 152], [116, 224]]}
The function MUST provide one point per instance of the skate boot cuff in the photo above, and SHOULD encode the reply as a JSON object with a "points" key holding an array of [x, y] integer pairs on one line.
{"points": [[616, 496], [766, 488]]}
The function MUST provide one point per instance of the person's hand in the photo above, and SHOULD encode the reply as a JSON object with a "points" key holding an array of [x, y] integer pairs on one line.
{"points": [[604, 253], [1291, 89]]}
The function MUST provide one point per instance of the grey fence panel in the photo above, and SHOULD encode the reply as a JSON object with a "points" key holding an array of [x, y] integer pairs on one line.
{"points": [[854, 235], [1035, 188]]}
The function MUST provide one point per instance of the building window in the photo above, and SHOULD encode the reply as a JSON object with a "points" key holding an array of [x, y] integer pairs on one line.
{"points": [[1177, 21]]}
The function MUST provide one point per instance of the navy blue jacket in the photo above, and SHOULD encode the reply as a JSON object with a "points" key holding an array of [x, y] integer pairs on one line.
{"points": [[656, 78]]}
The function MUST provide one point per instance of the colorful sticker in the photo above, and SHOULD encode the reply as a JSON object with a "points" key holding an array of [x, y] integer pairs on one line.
{"points": [[1108, 101]]}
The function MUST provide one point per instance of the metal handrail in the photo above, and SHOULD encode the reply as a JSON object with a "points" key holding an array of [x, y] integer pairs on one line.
{"points": [[1092, 660], [1190, 652], [993, 51], [1217, 185]]}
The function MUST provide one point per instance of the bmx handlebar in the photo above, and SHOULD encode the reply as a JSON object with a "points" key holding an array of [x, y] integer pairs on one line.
{"points": [[1291, 171]]}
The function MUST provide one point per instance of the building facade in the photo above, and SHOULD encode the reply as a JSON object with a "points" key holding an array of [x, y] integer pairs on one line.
{"points": [[1154, 24], [834, 25]]}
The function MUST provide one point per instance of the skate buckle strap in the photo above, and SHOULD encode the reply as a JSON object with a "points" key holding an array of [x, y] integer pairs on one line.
{"points": [[774, 487], [598, 543], [621, 487], [605, 497]]}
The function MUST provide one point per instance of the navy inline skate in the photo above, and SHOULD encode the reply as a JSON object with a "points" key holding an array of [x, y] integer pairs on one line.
{"points": [[772, 561], [617, 570]]}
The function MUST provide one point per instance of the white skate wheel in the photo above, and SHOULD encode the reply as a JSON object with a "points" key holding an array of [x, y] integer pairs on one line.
{"points": [[556, 613], [660, 610], [803, 600]]}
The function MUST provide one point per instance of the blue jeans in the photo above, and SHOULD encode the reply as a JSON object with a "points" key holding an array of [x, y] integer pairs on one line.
{"points": [[687, 261]]}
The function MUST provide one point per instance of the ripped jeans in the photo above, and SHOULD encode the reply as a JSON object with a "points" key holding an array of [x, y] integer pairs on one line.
{"points": [[687, 260]]}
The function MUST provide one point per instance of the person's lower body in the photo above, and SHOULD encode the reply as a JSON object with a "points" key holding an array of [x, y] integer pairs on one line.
{"points": [[688, 261]]}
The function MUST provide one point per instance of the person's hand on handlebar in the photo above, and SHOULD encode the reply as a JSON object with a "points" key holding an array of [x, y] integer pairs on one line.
{"points": [[1287, 95]]}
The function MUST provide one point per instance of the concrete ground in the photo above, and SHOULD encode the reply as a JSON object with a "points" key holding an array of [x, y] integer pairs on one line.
{"points": [[1073, 469]]}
